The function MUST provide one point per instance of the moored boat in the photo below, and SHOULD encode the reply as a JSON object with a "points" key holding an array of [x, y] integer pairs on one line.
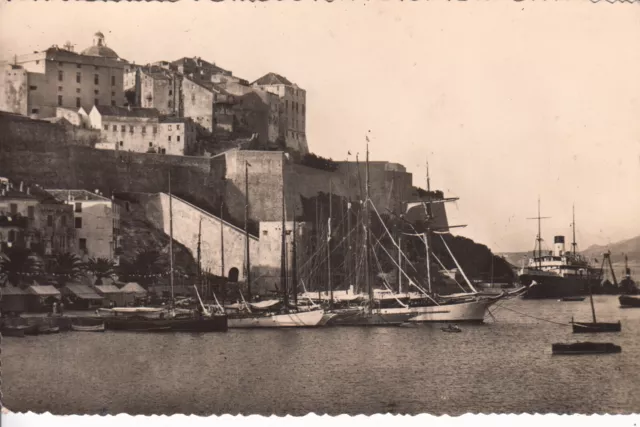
{"points": [[451, 328], [595, 327], [629, 301], [585, 348], [14, 331], [567, 299], [292, 319], [470, 311], [87, 328]]}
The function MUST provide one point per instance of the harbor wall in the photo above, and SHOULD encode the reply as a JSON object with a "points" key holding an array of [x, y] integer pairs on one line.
{"points": [[43, 153]]}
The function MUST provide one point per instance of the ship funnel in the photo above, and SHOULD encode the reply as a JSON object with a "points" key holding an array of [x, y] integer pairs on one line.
{"points": [[558, 245]]}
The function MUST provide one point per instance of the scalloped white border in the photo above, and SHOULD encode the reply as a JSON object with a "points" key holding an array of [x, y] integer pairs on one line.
{"points": [[312, 420]]}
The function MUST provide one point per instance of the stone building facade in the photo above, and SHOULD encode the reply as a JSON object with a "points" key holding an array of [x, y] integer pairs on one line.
{"points": [[96, 222], [293, 114], [143, 130], [33, 219], [60, 77]]}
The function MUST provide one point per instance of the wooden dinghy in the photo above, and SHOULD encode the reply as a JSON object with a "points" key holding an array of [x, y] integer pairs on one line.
{"points": [[88, 328], [585, 348]]}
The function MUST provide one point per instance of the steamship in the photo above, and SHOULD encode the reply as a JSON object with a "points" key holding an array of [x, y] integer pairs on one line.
{"points": [[557, 273]]}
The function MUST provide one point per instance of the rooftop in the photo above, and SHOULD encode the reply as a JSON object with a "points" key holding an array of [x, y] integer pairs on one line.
{"points": [[77, 195], [273, 79], [109, 110]]}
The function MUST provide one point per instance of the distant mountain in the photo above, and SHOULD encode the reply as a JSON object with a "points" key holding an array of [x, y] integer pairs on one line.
{"points": [[629, 247]]}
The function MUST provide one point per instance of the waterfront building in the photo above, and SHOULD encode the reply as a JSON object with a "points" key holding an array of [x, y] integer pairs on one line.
{"points": [[294, 112], [36, 84], [96, 222], [31, 218], [143, 130]]}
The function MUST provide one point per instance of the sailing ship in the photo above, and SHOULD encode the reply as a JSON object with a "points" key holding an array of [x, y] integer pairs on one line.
{"points": [[165, 319], [595, 326], [387, 308], [273, 313], [558, 273]]}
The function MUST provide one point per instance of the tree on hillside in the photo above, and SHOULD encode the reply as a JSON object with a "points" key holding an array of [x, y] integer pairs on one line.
{"points": [[19, 266], [66, 267], [101, 268], [144, 268]]}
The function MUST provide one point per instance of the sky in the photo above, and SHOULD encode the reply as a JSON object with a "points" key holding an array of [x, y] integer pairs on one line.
{"points": [[509, 101]]}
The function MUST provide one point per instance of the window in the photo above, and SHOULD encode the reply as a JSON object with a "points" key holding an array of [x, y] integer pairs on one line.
{"points": [[77, 102], [96, 91], [78, 77], [151, 144], [106, 127], [59, 88], [34, 111], [12, 235], [96, 79], [82, 244], [113, 80], [31, 212], [63, 220], [155, 129], [169, 104], [144, 129], [59, 100], [123, 128], [131, 129], [78, 207], [113, 103], [78, 222], [96, 67], [60, 75], [286, 104], [113, 94], [33, 87], [178, 127], [49, 220], [169, 138], [163, 151], [77, 90], [79, 66], [115, 128], [121, 143], [178, 138], [169, 127]]}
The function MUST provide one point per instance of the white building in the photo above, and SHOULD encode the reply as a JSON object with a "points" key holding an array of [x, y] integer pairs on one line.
{"points": [[96, 222]]}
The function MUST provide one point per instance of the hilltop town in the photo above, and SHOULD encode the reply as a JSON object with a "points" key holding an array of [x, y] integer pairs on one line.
{"points": [[103, 140]]}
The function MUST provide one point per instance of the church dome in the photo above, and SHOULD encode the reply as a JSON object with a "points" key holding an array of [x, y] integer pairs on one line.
{"points": [[99, 48]]}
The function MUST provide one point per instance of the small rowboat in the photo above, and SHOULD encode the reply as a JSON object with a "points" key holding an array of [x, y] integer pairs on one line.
{"points": [[451, 328], [45, 330], [14, 331], [90, 328]]}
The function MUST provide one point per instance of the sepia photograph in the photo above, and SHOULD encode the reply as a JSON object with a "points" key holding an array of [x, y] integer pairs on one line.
{"points": [[328, 207]]}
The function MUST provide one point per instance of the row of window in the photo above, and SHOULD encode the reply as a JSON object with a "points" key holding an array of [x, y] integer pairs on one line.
{"points": [[79, 102], [294, 106], [96, 78], [96, 91], [123, 128], [60, 64]]}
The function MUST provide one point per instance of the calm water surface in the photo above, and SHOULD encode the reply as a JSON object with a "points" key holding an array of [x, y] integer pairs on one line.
{"points": [[502, 366]]}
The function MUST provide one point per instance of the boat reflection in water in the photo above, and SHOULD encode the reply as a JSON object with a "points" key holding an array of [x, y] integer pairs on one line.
{"points": [[151, 319]]}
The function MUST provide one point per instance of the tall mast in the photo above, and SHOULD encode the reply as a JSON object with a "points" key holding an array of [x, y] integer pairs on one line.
{"points": [[427, 235], [573, 226], [317, 244], [366, 237], [539, 235], [294, 263], [221, 240], [283, 257], [199, 250], [329, 281], [539, 238], [348, 257], [246, 227], [171, 235], [400, 262]]}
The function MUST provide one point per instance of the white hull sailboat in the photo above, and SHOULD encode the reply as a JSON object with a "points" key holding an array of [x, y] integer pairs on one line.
{"points": [[471, 311], [303, 319]]}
